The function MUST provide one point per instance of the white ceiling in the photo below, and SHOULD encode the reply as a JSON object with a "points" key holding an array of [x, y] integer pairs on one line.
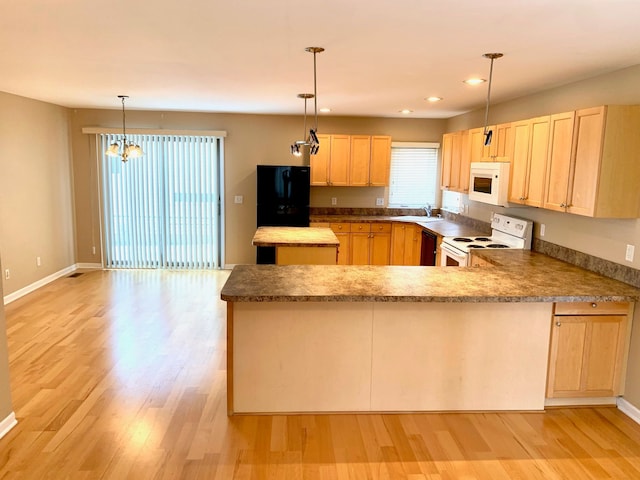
{"points": [[248, 55]]}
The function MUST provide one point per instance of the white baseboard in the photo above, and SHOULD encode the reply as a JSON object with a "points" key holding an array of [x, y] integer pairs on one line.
{"points": [[89, 265], [629, 410], [40, 283], [7, 424]]}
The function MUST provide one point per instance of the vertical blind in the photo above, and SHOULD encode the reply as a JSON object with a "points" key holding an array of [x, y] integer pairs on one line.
{"points": [[413, 178], [161, 210]]}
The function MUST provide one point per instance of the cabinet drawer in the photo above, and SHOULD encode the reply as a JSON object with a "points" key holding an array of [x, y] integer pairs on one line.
{"points": [[381, 227], [592, 308], [341, 227], [360, 227]]}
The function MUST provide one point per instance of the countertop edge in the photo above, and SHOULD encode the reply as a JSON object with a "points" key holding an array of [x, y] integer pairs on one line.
{"points": [[425, 299]]}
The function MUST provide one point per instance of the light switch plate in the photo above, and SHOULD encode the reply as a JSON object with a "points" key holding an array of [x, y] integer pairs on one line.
{"points": [[238, 199], [379, 202], [334, 200], [543, 228]]}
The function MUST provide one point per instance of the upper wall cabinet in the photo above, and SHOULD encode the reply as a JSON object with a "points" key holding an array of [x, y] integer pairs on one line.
{"points": [[351, 160], [605, 163]]}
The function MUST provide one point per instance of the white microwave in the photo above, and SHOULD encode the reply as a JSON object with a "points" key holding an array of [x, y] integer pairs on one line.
{"points": [[489, 182]]}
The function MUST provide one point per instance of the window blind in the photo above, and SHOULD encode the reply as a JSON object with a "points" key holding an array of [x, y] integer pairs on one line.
{"points": [[413, 176], [161, 210]]}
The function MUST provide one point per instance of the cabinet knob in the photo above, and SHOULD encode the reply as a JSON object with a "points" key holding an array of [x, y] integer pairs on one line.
{"points": [[594, 305], [521, 198], [558, 324], [563, 205]]}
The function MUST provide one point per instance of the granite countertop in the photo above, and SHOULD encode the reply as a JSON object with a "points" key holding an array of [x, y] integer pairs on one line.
{"points": [[438, 226], [524, 277], [294, 237]]}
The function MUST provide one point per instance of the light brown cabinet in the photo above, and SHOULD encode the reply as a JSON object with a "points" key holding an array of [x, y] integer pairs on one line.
{"points": [[370, 243], [455, 162], [330, 166], [558, 161], [528, 165], [604, 168], [406, 242], [343, 232], [587, 349], [351, 160]]}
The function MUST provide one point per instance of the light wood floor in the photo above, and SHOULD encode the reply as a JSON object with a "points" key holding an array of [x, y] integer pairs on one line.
{"points": [[121, 375]]}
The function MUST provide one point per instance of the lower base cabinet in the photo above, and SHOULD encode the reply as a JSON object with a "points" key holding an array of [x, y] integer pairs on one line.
{"points": [[405, 244], [588, 345]]}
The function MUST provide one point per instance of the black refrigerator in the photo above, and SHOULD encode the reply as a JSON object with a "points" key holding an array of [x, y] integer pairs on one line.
{"points": [[283, 201]]}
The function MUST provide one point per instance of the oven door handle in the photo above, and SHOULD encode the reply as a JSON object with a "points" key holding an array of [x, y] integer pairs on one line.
{"points": [[453, 252]]}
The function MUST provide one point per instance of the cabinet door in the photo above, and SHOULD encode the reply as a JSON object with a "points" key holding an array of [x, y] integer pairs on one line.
{"points": [[340, 160], [537, 160], [360, 248], [344, 250], [380, 161], [416, 237], [360, 160], [502, 144], [398, 246], [320, 162], [586, 355], [447, 159], [479, 153], [517, 186], [380, 243], [558, 161], [586, 157], [465, 160]]}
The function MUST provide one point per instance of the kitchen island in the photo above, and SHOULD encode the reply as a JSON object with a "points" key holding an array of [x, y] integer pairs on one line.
{"points": [[389, 339], [299, 245]]}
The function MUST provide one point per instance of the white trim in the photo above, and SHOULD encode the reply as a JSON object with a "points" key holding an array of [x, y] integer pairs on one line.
{"points": [[578, 402], [629, 409], [7, 424], [415, 144], [40, 283], [89, 265], [155, 131]]}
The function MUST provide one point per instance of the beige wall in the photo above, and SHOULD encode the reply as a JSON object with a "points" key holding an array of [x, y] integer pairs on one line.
{"points": [[251, 140], [36, 199]]}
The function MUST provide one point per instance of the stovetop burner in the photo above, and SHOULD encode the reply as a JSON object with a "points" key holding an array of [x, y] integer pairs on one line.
{"points": [[476, 246], [482, 239], [463, 239], [497, 245]]}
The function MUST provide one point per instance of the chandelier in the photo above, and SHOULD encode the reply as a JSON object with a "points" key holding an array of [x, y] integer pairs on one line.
{"points": [[312, 140], [122, 148]]}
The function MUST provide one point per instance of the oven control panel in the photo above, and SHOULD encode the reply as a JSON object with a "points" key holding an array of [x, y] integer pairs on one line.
{"points": [[518, 227]]}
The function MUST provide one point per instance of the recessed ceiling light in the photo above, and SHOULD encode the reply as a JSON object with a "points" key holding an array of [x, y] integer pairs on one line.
{"points": [[325, 110], [406, 111], [433, 99], [474, 81]]}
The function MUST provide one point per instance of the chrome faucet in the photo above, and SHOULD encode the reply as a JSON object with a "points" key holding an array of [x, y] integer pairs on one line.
{"points": [[427, 209]]}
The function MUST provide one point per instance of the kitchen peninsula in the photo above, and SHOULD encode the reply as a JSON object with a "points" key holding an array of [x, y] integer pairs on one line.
{"points": [[299, 245], [386, 339]]}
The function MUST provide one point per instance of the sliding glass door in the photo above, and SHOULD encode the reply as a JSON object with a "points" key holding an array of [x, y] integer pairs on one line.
{"points": [[162, 210]]}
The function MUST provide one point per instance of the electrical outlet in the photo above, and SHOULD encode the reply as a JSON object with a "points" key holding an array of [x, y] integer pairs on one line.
{"points": [[543, 228], [7, 274], [379, 202], [38, 262], [238, 199], [93, 250], [628, 256], [334, 200]]}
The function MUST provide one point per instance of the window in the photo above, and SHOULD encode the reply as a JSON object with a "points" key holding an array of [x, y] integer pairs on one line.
{"points": [[413, 180], [162, 210]]}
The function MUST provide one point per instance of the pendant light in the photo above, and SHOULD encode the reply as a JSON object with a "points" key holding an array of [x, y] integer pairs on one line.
{"points": [[488, 133], [312, 140], [295, 147], [122, 148]]}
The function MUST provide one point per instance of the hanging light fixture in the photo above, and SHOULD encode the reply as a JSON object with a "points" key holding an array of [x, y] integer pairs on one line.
{"points": [[122, 148], [295, 147], [489, 133], [312, 140]]}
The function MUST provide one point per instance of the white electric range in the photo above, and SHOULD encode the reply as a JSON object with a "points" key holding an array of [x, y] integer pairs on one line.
{"points": [[506, 232]]}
